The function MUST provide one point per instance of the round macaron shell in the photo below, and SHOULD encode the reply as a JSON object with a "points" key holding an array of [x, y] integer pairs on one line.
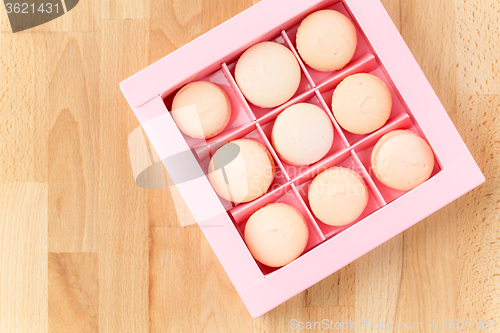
{"points": [[361, 103], [302, 134], [249, 173], [268, 74], [402, 160], [326, 40], [276, 234], [201, 109], [338, 196]]}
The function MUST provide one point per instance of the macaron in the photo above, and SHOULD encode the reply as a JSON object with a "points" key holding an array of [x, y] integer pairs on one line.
{"points": [[326, 40], [276, 234], [338, 196], [361, 103], [268, 74], [302, 134], [402, 160], [201, 109], [241, 170]]}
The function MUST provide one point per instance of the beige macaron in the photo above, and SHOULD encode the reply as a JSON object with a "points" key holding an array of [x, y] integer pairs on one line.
{"points": [[338, 196], [402, 160], [302, 134], [326, 40], [361, 103], [276, 234], [241, 170], [201, 109], [268, 74]]}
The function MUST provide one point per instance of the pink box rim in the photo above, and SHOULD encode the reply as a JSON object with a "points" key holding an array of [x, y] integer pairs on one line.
{"points": [[260, 293]]}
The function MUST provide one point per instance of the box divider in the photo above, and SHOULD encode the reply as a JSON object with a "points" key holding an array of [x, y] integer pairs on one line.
{"points": [[403, 121], [362, 64], [322, 165], [271, 150], [232, 134], [242, 211], [368, 180], [332, 118], [309, 216], [306, 95], [295, 53], [237, 90]]}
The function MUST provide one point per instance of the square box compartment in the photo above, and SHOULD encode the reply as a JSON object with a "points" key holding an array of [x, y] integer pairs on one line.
{"points": [[381, 52]]}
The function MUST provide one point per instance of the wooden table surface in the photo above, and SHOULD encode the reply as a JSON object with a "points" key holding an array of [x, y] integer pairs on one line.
{"points": [[84, 249]]}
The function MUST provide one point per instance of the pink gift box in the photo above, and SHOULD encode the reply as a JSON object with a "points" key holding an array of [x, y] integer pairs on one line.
{"points": [[380, 51]]}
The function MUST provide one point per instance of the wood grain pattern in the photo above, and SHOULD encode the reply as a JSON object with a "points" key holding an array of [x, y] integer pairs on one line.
{"points": [[83, 249], [22, 148], [73, 292], [478, 250], [72, 111], [168, 282], [478, 47], [122, 232], [23, 257]]}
